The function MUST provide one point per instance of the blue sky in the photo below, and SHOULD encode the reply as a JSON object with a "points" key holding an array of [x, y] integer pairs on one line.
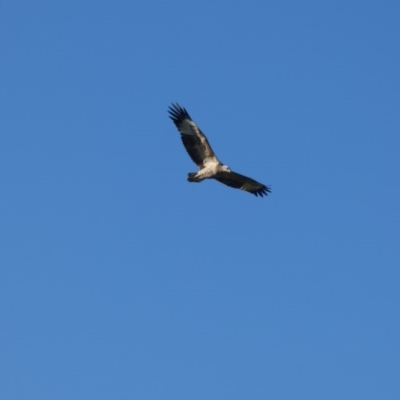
{"points": [[121, 280]]}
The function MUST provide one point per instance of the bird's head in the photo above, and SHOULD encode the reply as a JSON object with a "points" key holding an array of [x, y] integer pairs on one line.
{"points": [[225, 168]]}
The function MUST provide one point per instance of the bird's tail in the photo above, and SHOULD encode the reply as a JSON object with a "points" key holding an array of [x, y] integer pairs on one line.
{"points": [[192, 177]]}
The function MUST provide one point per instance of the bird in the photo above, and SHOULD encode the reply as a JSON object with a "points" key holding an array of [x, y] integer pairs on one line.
{"points": [[200, 151]]}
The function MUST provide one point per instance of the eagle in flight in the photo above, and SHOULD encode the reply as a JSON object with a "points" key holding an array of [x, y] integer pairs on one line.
{"points": [[201, 153]]}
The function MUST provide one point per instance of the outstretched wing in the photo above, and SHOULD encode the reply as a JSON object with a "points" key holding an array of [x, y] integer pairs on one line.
{"points": [[193, 138], [242, 182]]}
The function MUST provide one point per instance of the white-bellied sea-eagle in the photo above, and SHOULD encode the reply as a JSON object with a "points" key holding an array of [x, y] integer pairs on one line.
{"points": [[201, 153]]}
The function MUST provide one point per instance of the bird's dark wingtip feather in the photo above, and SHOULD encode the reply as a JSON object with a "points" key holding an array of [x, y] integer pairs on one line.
{"points": [[262, 192], [177, 113]]}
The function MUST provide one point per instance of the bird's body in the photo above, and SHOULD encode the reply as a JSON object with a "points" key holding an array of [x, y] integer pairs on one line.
{"points": [[201, 153], [209, 171]]}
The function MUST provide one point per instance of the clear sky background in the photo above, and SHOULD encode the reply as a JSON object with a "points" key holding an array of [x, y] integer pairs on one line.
{"points": [[121, 280]]}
